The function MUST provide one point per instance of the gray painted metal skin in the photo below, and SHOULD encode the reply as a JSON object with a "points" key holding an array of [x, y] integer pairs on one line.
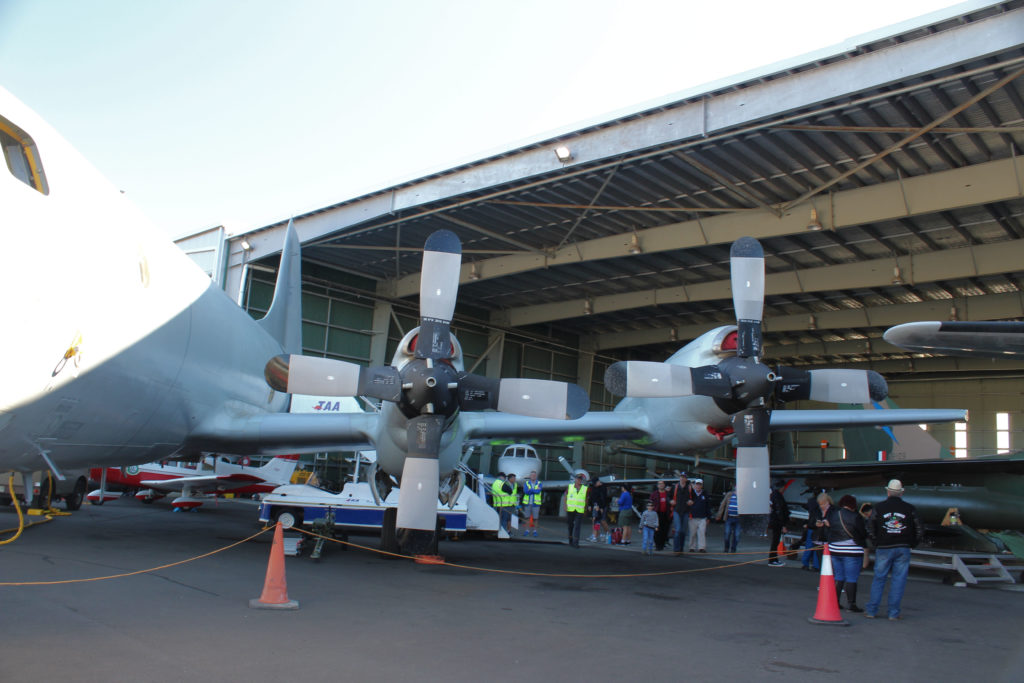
{"points": [[999, 339], [161, 361]]}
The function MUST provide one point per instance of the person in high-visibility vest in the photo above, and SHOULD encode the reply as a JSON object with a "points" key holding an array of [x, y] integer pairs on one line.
{"points": [[575, 505], [531, 503], [501, 500], [498, 499], [511, 500]]}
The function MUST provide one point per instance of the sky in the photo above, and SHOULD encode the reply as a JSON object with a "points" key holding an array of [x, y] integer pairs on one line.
{"points": [[224, 112]]}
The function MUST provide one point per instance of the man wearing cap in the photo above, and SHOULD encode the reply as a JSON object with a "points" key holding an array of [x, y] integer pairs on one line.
{"points": [[575, 504], [894, 527], [699, 513]]}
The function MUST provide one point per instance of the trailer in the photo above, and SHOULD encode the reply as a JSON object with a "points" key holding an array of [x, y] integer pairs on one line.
{"points": [[300, 505]]}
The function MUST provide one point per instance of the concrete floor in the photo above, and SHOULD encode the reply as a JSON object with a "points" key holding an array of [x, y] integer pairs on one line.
{"points": [[364, 617]]}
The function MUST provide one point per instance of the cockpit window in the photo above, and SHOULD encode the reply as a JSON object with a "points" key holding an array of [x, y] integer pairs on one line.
{"points": [[21, 156]]}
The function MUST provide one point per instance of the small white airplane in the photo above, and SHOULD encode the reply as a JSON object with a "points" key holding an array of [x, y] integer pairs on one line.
{"points": [[521, 459], [213, 475]]}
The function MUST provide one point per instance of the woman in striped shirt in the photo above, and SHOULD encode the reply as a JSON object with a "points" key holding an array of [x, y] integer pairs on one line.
{"points": [[846, 538]]}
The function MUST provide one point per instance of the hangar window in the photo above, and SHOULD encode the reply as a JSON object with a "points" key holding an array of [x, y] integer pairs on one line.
{"points": [[960, 439], [21, 156], [1002, 432]]}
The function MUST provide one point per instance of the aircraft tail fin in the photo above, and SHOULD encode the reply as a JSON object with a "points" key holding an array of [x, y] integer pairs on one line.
{"points": [[280, 469], [284, 319]]}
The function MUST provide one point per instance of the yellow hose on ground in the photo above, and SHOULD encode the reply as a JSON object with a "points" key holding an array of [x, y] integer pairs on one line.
{"points": [[21, 517]]}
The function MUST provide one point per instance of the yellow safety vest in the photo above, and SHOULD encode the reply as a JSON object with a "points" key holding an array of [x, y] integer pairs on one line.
{"points": [[513, 498], [576, 501], [532, 492], [497, 494]]}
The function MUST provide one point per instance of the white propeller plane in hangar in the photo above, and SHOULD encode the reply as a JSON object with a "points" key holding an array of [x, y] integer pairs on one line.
{"points": [[127, 353]]}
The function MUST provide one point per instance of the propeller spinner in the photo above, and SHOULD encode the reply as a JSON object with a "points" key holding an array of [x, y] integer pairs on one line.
{"points": [[742, 385], [428, 389]]}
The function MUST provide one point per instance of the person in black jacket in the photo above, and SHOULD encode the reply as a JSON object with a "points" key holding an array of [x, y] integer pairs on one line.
{"points": [[778, 518], [846, 539], [894, 528]]}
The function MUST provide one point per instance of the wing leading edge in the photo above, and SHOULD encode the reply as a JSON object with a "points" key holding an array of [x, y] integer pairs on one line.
{"points": [[795, 420], [275, 433]]}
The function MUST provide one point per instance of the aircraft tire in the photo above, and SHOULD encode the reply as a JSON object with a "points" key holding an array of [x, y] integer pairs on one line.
{"points": [[45, 497], [289, 517], [73, 501], [388, 532]]}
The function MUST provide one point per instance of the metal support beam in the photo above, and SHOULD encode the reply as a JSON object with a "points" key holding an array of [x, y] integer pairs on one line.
{"points": [[988, 307], [987, 259], [986, 183], [382, 311]]}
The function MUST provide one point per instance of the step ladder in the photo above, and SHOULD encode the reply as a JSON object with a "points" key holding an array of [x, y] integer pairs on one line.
{"points": [[976, 569], [291, 545]]}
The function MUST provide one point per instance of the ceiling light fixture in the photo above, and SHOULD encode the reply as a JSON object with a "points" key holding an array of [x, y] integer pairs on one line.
{"points": [[897, 276], [588, 307], [634, 244], [564, 154], [245, 245], [473, 274], [954, 315], [814, 223]]}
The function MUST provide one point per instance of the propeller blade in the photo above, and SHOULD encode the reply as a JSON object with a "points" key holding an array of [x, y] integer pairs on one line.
{"points": [[746, 266], [477, 392], [294, 374], [753, 477], [643, 379], [418, 496], [439, 288], [753, 485], [542, 398], [831, 385]]}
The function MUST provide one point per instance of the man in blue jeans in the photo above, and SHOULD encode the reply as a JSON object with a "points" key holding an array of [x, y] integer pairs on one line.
{"points": [[894, 527], [682, 501]]}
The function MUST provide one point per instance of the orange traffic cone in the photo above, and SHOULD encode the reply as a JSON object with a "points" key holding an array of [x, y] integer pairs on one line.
{"points": [[828, 603], [275, 590], [781, 550]]}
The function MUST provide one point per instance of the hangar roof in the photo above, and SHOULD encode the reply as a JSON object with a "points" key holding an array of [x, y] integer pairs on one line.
{"points": [[905, 149]]}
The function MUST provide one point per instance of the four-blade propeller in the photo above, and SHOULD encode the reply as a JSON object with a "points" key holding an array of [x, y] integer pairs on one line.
{"points": [[741, 385], [428, 389]]}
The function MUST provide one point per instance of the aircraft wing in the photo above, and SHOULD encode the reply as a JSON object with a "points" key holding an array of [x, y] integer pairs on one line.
{"points": [[909, 469], [278, 433], [793, 420], [597, 425], [211, 481], [997, 339]]}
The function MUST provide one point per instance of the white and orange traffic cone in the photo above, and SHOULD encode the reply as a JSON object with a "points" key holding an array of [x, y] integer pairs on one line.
{"points": [[275, 588], [780, 550], [828, 604]]}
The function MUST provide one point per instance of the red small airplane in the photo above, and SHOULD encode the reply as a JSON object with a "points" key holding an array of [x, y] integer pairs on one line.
{"points": [[214, 475]]}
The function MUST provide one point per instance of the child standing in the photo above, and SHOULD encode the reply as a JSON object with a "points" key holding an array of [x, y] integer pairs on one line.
{"points": [[648, 525]]}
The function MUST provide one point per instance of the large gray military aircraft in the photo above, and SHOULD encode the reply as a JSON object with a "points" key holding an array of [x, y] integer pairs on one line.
{"points": [[127, 353], [122, 351]]}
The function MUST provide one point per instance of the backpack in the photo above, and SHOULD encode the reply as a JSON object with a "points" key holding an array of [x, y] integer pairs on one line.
{"points": [[617, 535]]}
